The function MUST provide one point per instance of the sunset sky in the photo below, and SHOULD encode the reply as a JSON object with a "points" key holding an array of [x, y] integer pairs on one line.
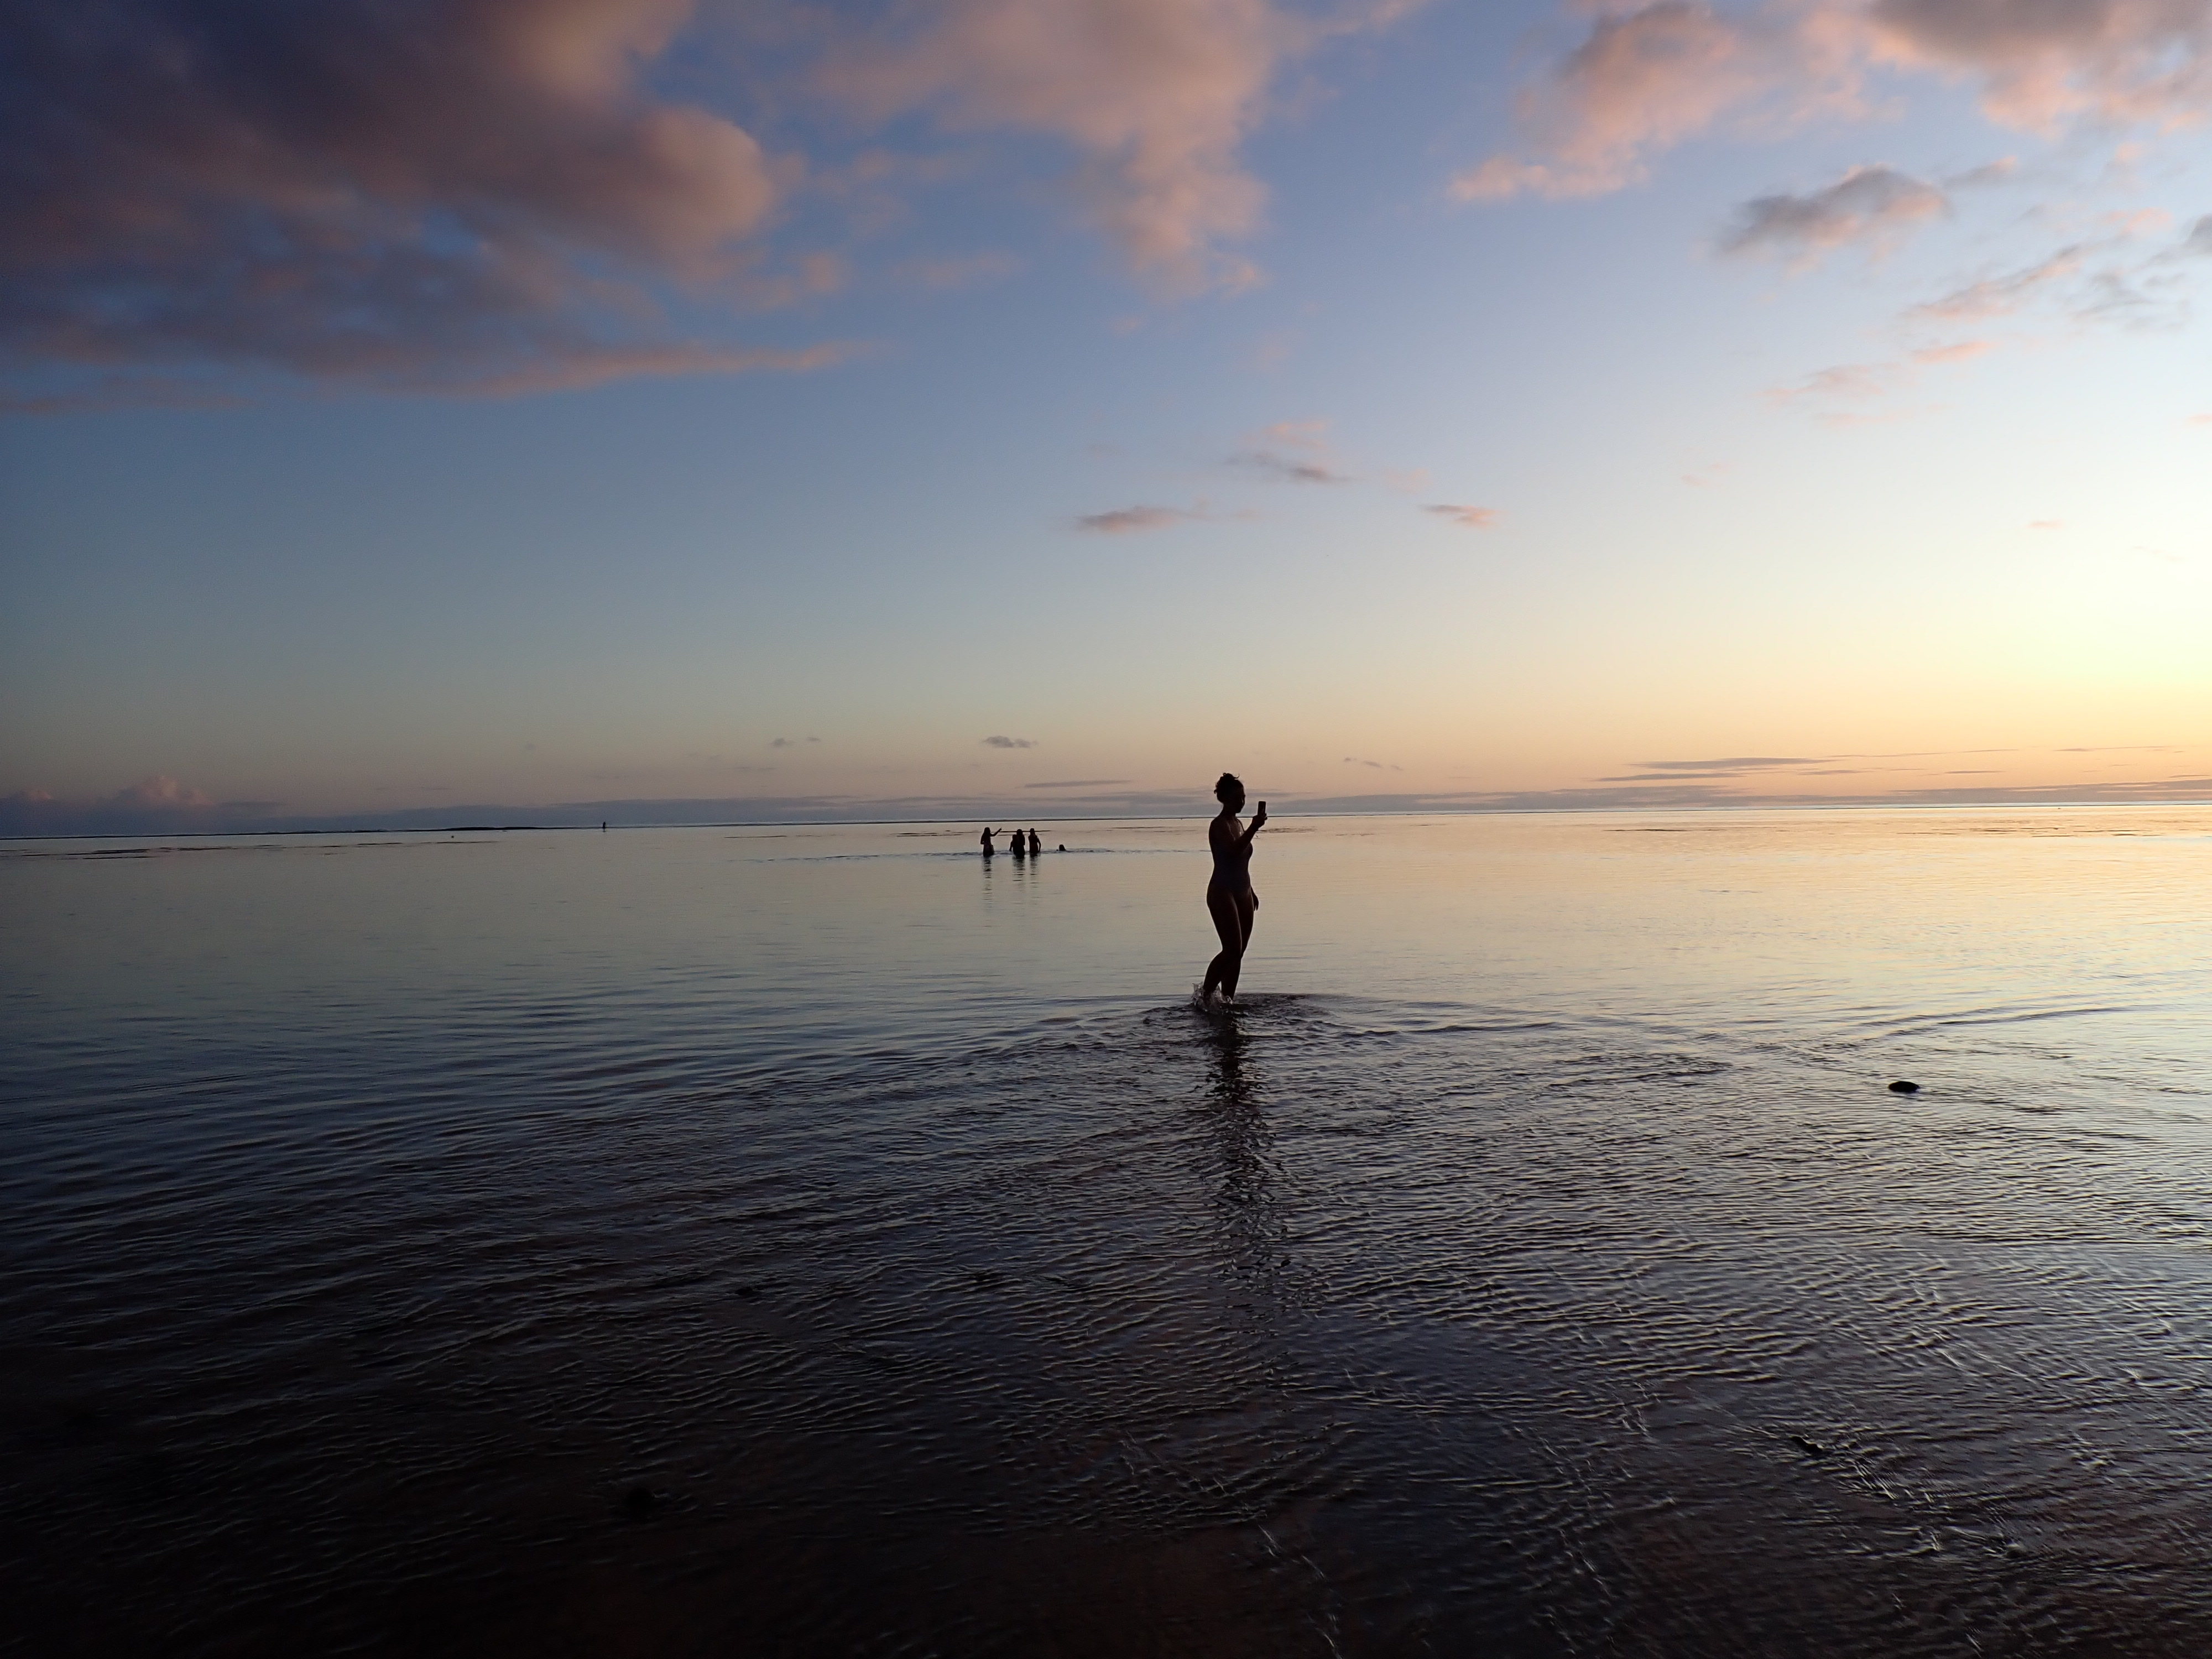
{"points": [[1039, 405]]}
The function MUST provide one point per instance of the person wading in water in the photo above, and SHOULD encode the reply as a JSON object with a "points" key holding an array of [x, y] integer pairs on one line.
{"points": [[1230, 899]]}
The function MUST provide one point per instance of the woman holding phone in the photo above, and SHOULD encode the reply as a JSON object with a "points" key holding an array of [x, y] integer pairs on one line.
{"points": [[1230, 899]]}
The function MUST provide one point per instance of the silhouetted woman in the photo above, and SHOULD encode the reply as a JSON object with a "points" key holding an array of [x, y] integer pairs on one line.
{"points": [[988, 848], [1230, 899], [1036, 846]]}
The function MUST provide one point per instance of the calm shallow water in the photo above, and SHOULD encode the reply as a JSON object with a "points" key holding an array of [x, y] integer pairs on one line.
{"points": [[808, 1240]]}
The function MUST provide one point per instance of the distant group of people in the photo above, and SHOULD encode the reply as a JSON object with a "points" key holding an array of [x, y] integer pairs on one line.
{"points": [[1016, 843]]}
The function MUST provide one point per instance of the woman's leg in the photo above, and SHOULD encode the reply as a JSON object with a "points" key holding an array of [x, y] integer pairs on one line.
{"points": [[1243, 904], [1227, 922]]}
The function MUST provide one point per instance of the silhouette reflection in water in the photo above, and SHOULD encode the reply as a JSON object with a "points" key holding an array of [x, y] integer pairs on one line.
{"points": [[1248, 1209]]}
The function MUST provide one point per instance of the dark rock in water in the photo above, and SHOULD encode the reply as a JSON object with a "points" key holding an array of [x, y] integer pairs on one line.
{"points": [[1901, 1087], [639, 1502], [1810, 1448]]}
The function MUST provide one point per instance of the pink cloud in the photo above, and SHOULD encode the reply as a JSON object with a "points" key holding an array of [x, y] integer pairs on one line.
{"points": [[1288, 469], [1958, 351], [1845, 380], [1132, 520], [1467, 518], [1155, 96], [1312, 435], [2039, 65], [2000, 297], [960, 270], [1873, 206], [1852, 394], [498, 195], [1645, 78], [1311, 460], [1847, 394], [587, 365], [404, 193]]}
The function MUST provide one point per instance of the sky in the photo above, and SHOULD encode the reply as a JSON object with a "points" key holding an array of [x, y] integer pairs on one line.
{"points": [[414, 410]]}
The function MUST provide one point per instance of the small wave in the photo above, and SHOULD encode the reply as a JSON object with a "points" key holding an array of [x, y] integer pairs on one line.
{"points": [[2003, 1015]]}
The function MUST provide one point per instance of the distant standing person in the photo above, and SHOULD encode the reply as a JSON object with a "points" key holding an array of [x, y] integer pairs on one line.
{"points": [[1036, 846], [1230, 899], [988, 848]]}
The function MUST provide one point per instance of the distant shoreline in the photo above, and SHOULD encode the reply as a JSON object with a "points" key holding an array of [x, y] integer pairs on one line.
{"points": [[609, 824]]}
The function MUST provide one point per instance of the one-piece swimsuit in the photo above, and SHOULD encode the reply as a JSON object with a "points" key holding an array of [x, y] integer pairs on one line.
{"points": [[1232, 867]]}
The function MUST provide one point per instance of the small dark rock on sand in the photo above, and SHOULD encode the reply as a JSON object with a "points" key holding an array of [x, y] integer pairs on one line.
{"points": [[1901, 1087]]}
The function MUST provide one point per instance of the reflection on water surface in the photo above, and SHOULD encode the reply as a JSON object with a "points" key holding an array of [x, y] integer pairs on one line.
{"points": [[808, 1240]]}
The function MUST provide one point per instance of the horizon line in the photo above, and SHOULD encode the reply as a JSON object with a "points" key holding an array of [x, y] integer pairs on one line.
{"points": [[1801, 804]]}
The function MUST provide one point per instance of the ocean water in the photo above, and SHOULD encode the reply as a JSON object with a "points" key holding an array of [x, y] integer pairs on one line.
{"points": [[810, 1240]]}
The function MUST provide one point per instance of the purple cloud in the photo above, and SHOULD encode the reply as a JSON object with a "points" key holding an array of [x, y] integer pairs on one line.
{"points": [[1132, 520], [458, 194], [1875, 206]]}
